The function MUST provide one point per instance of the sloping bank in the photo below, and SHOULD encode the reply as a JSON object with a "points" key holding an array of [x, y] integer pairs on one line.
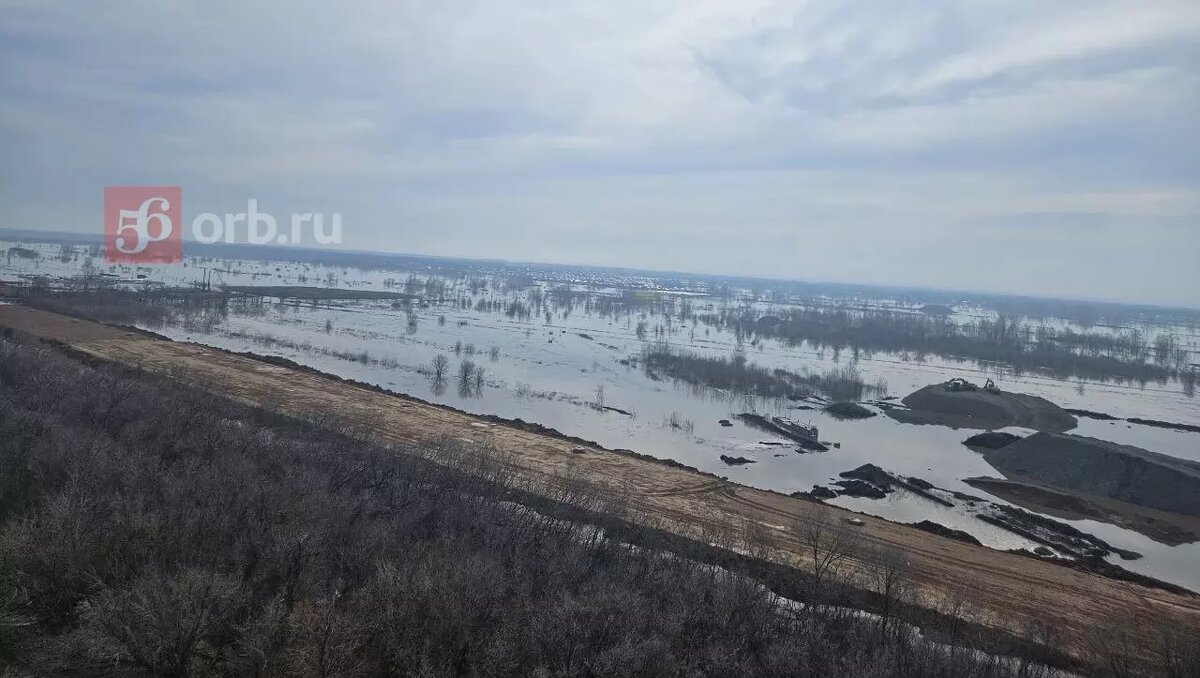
{"points": [[1075, 477], [1103, 468]]}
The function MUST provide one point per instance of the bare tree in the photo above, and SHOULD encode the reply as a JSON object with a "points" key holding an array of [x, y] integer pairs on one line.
{"points": [[827, 543], [888, 574], [466, 376], [466, 369], [440, 365]]}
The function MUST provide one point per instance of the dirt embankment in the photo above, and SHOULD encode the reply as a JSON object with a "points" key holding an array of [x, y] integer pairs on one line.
{"points": [[981, 409], [1098, 467], [1164, 527]]}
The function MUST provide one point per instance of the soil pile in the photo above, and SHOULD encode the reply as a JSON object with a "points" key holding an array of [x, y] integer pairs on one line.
{"points": [[992, 440], [982, 409], [1103, 468]]}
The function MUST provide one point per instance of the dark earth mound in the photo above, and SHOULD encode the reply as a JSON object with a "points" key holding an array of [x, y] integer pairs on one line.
{"points": [[940, 529], [888, 481], [920, 483], [982, 409], [872, 474], [992, 440], [1103, 468], [822, 492], [860, 488]]}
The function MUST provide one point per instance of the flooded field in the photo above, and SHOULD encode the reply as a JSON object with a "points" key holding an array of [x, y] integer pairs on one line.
{"points": [[568, 349]]}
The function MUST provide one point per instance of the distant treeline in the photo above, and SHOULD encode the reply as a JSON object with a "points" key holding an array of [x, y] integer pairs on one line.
{"points": [[1001, 341], [152, 307], [148, 528]]}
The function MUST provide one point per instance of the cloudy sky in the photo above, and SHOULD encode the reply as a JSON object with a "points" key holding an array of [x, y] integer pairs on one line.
{"points": [[1049, 148]]}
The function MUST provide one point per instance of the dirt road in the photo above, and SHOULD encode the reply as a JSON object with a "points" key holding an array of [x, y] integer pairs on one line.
{"points": [[1002, 589]]}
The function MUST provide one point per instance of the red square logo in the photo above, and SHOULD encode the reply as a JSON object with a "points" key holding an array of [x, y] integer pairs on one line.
{"points": [[143, 224]]}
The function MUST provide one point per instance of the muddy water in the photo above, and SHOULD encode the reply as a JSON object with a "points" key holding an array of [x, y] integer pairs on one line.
{"points": [[554, 372]]}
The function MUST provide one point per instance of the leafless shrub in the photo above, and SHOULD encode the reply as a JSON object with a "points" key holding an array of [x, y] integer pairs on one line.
{"points": [[1177, 652], [1115, 647], [756, 539]]}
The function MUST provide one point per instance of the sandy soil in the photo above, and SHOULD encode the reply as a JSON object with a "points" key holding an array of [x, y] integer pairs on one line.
{"points": [[1003, 590]]}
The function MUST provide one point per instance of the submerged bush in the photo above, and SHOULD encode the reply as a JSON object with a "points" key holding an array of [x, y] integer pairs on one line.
{"points": [[845, 410]]}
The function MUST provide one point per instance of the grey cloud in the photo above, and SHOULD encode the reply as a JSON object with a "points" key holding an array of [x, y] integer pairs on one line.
{"points": [[888, 137]]}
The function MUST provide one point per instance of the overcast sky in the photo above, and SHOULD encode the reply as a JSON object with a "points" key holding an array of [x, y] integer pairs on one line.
{"points": [[1048, 148]]}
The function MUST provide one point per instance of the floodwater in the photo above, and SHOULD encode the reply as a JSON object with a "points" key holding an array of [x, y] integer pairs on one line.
{"points": [[564, 370]]}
